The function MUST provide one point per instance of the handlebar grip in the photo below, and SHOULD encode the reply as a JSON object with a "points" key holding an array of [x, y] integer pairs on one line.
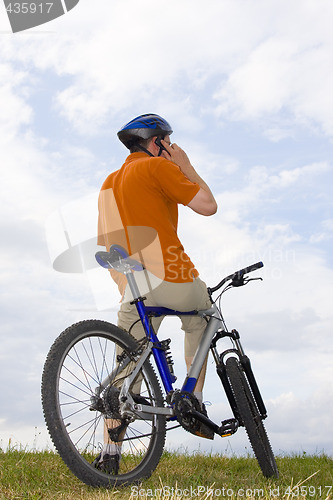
{"points": [[248, 269]]}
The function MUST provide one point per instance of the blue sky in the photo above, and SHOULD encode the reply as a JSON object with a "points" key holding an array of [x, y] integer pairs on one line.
{"points": [[246, 86]]}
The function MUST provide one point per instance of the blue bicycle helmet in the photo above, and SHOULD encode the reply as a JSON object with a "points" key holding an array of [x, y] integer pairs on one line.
{"points": [[142, 128]]}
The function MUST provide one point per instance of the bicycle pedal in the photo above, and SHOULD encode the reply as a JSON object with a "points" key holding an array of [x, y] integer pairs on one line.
{"points": [[228, 427]]}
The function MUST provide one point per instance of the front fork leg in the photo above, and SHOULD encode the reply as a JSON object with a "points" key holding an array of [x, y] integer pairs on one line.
{"points": [[246, 365], [221, 371]]}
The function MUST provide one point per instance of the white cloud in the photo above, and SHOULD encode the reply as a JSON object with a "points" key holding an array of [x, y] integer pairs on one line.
{"points": [[260, 85], [263, 59], [285, 178], [15, 112], [279, 132], [325, 234], [282, 75], [287, 72], [263, 188], [297, 418]]}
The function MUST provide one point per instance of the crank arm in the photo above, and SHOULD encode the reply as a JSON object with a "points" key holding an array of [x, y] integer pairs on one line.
{"points": [[205, 420], [227, 428]]}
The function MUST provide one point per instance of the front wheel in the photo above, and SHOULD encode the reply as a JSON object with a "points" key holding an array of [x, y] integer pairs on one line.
{"points": [[250, 418], [82, 376]]}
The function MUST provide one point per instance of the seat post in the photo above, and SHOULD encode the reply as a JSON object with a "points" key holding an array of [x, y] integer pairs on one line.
{"points": [[132, 284]]}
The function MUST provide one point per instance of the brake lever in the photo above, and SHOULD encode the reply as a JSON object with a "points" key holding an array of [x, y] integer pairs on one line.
{"points": [[243, 281], [247, 280]]}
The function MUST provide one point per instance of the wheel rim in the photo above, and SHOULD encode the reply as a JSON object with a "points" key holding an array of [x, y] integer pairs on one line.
{"points": [[85, 364]]}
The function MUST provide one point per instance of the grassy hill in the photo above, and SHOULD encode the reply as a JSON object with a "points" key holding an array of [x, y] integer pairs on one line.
{"points": [[43, 475]]}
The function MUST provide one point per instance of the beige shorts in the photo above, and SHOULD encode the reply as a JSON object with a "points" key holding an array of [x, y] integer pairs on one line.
{"points": [[178, 296]]}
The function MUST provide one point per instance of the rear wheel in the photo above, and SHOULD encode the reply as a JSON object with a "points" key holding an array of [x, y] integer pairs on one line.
{"points": [[250, 418], [83, 373]]}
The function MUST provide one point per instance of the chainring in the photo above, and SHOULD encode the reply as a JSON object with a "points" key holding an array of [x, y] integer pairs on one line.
{"points": [[183, 403]]}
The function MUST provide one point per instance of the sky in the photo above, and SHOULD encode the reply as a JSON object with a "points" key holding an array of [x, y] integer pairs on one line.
{"points": [[247, 86]]}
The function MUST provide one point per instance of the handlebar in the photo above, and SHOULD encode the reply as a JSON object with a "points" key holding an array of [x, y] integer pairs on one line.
{"points": [[236, 278]]}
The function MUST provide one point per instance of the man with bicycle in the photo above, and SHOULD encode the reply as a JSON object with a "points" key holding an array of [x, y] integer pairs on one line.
{"points": [[138, 208]]}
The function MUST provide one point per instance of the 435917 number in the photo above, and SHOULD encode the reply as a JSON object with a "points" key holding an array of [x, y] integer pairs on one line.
{"points": [[29, 8]]}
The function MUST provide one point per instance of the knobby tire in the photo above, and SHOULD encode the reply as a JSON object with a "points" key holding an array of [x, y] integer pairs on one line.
{"points": [[80, 358], [250, 418]]}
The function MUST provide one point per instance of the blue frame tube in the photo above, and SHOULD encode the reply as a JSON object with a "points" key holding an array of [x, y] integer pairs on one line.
{"points": [[164, 311], [158, 353]]}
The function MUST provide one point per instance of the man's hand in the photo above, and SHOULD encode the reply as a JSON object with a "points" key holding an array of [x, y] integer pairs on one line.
{"points": [[178, 156], [203, 202]]}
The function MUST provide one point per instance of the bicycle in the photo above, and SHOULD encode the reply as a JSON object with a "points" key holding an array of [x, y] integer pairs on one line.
{"points": [[98, 379]]}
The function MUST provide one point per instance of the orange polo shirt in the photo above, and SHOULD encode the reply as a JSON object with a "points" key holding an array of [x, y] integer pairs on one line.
{"points": [[138, 209]]}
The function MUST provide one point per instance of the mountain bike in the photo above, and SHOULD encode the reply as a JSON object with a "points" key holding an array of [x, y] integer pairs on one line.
{"points": [[99, 381]]}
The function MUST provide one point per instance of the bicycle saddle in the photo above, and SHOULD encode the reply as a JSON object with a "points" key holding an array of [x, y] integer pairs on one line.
{"points": [[117, 258]]}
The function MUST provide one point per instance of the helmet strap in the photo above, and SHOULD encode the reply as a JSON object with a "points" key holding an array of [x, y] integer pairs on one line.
{"points": [[144, 149]]}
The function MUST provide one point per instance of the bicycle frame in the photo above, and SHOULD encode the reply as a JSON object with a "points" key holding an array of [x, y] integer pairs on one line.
{"points": [[215, 330], [215, 326]]}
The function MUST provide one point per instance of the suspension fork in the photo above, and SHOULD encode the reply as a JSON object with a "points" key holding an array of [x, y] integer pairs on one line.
{"points": [[222, 373], [246, 366]]}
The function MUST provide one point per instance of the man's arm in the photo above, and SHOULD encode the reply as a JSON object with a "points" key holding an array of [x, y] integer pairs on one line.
{"points": [[203, 202]]}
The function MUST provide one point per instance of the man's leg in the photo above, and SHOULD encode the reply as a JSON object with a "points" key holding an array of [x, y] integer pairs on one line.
{"points": [[201, 379], [128, 320], [185, 297]]}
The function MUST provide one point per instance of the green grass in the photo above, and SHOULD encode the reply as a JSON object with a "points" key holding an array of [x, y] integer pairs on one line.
{"points": [[43, 475]]}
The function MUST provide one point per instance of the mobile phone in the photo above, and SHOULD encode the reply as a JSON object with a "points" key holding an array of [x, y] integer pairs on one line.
{"points": [[160, 145]]}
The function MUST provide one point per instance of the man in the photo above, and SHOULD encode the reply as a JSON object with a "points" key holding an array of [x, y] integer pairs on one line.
{"points": [[138, 209]]}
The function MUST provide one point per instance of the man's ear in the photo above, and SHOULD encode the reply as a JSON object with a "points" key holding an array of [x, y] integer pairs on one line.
{"points": [[153, 147]]}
